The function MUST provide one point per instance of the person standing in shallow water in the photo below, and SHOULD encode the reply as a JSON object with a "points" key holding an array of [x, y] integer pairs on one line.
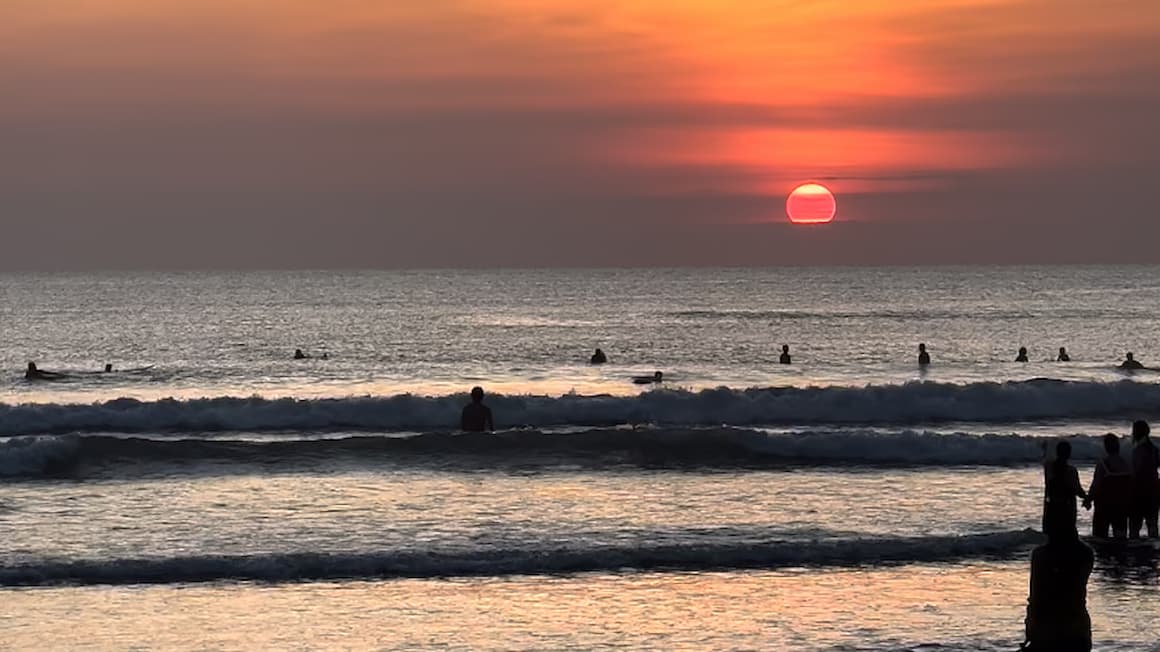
{"points": [[923, 356], [1022, 357], [1063, 356], [1111, 491], [784, 358], [1063, 487], [476, 416], [1057, 616], [1145, 484]]}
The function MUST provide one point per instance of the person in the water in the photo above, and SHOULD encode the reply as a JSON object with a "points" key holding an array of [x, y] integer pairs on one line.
{"points": [[108, 368], [35, 373], [1145, 484], [923, 356], [1063, 487], [1130, 362], [1022, 357], [646, 380], [1057, 616], [476, 416], [598, 357], [1111, 491], [299, 355], [1063, 356], [784, 358]]}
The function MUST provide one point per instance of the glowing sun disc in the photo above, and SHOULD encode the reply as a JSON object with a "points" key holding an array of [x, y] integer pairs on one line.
{"points": [[810, 203]]}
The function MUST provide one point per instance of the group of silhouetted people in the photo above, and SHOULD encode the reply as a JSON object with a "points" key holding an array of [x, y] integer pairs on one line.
{"points": [[1126, 496]]}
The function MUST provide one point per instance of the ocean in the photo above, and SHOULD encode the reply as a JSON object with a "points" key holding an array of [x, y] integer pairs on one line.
{"points": [[214, 493]]}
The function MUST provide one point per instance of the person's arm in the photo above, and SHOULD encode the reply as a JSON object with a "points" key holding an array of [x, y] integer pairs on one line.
{"points": [[1076, 485], [1097, 481]]}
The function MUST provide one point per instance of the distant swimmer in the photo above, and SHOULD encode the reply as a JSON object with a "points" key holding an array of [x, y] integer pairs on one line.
{"points": [[33, 373], [598, 357], [648, 380], [1063, 356], [299, 355], [476, 416], [1022, 357], [784, 359], [923, 356], [1130, 363], [108, 368]]}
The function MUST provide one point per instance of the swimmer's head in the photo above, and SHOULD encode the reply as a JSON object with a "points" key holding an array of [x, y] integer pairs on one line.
{"points": [[477, 394]]}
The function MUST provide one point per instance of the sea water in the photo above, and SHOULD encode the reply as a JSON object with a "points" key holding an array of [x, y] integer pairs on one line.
{"points": [[214, 493]]}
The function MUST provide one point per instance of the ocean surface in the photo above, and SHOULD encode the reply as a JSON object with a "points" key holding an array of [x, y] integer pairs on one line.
{"points": [[212, 492]]}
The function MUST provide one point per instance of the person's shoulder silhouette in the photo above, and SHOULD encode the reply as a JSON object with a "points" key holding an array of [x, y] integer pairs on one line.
{"points": [[923, 356], [784, 358], [1063, 356], [1130, 362], [476, 416], [598, 357], [1022, 357]]}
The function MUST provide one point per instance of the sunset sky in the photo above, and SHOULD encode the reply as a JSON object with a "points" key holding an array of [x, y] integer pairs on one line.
{"points": [[359, 133]]}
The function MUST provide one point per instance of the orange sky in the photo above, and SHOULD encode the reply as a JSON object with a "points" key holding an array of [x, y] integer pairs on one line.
{"points": [[500, 100]]}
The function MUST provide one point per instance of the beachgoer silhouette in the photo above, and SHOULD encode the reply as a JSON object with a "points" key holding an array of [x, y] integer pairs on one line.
{"points": [[1130, 362], [1057, 616], [1111, 491], [598, 357], [923, 356], [1063, 356], [108, 368], [476, 416], [1062, 488], [784, 358], [1145, 483], [1022, 357], [299, 355], [645, 380]]}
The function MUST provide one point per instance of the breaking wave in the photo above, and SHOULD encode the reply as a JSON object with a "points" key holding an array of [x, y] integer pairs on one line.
{"points": [[287, 567], [911, 403], [727, 448]]}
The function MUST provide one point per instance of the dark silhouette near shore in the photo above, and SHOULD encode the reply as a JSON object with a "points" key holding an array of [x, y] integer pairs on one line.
{"points": [[1057, 616], [598, 357], [1111, 491], [108, 368], [476, 416], [1022, 357], [1063, 356], [299, 355], [648, 380], [35, 373], [784, 358], [1063, 487], [923, 356], [1145, 483]]}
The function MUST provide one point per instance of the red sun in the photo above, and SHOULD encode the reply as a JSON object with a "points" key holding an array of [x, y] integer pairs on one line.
{"points": [[810, 203]]}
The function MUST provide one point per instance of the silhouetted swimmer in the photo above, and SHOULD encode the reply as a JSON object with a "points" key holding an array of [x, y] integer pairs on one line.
{"points": [[647, 380], [33, 373], [1145, 483], [1111, 491], [108, 368], [299, 355], [1063, 488], [1130, 362], [1063, 356], [1057, 616], [923, 356], [325, 355], [598, 357], [784, 359], [476, 416], [1022, 357]]}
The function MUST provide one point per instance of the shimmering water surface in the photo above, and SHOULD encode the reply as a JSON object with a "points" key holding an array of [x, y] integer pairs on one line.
{"points": [[213, 493]]}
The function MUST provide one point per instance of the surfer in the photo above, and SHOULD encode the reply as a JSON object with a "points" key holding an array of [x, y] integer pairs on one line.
{"points": [[1063, 488], [647, 380], [33, 373], [923, 356], [784, 359], [598, 357], [108, 368], [299, 355], [1022, 357], [1063, 356], [1130, 363], [476, 416], [1145, 484], [1057, 616], [1111, 491]]}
